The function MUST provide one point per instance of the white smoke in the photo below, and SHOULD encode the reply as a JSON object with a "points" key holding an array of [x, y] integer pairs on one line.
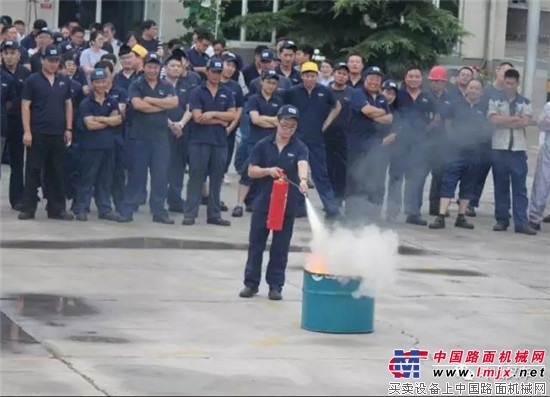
{"points": [[369, 254]]}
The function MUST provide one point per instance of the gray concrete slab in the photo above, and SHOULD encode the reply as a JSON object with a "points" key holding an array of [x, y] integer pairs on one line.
{"points": [[129, 321]]}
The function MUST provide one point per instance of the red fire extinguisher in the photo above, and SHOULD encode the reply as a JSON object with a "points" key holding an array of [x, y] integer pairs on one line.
{"points": [[277, 205]]}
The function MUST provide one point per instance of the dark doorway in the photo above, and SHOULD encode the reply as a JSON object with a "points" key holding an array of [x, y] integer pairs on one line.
{"points": [[126, 15], [82, 11]]}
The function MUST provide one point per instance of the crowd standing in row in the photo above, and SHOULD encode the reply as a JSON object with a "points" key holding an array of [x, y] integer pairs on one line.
{"points": [[98, 117]]}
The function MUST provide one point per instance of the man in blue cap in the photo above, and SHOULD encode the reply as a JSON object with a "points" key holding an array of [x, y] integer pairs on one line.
{"points": [[213, 108], [99, 116], [148, 144], [47, 112], [274, 156], [14, 134], [367, 158], [267, 58]]}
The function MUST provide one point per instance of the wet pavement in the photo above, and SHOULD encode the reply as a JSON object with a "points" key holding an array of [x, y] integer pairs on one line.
{"points": [[142, 308]]}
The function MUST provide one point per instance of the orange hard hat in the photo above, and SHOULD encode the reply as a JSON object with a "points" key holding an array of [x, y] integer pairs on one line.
{"points": [[438, 73]]}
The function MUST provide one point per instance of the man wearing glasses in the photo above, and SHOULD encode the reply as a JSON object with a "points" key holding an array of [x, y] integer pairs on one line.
{"points": [[274, 156]]}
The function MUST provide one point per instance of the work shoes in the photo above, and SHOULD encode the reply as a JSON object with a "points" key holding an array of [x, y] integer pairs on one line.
{"points": [[546, 219], [416, 220], [438, 223], [248, 292], [223, 207], [237, 212], [526, 229], [500, 227], [164, 219], [218, 221], [535, 226], [109, 216], [471, 212], [23, 216], [188, 221], [274, 295], [62, 216], [81, 217], [124, 219], [463, 223]]}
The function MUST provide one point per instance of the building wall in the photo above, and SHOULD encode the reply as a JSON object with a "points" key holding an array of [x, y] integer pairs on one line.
{"points": [[169, 28], [486, 41], [18, 9]]}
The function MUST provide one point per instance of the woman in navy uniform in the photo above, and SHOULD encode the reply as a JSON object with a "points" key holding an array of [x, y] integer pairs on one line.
{"points": [[467, 127], [263, 108], [274, 155]]}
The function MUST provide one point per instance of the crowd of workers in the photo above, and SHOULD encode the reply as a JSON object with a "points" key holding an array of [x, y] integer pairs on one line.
{"points": [[98, 118]]}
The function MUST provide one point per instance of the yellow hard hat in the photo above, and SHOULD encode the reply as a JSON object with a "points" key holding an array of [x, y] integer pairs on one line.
{"points": [[309, 67], [140, 50]]}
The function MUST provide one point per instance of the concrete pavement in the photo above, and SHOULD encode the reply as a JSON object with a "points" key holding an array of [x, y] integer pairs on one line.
{"points": [[159, 314]]}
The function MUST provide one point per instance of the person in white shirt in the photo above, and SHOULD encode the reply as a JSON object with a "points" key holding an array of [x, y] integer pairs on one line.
{"points": [[540, 192], [91, 56], [326, 70]]}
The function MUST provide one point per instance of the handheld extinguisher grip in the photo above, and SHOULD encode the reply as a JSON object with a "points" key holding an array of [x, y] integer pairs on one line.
{"points": [[277, 205]]}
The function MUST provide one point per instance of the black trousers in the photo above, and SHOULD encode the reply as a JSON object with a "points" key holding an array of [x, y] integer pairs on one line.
{"points": [[46, 152]]}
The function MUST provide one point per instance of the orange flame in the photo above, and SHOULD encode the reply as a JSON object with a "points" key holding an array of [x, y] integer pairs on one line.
{"points": [[315, 264]]}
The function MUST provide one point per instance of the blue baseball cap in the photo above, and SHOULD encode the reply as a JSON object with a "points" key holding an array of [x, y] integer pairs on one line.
{"points": [[289, 45], [58, 38], [270, 74], [267, 56], [45, 30], [389, 84], [98, 74], [151, 58], [14, 45], [214, 64], [51, 52], [230, 57], [288, 112], [374, 70], [341, 65]]}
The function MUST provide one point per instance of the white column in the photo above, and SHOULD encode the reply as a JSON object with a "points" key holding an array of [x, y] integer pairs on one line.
{"points": [[533, 25], [98, 4], [55, 14], [275, 9], [244, 11], [160, 22]]}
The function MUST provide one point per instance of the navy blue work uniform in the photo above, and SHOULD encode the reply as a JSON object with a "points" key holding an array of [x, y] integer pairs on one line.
{"points": [[314, 109], [469, 128], [335, 143], [8, 95], [122, 151], [283, 86], [294, 76], [48, 124], [207, 151], [120, 96], [486, 152], [265, 155], [97, 157], [148, 149], [250, 72], [265, 107], [14, 136], [412, 144], [238, 96], [437, 147], [191, 78], [178, 149], [367, 160], [197, 59], [72, 154]]}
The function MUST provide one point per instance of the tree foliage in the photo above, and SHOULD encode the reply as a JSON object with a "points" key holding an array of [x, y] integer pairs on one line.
{"points": [[198, 15], [392, 34]]}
